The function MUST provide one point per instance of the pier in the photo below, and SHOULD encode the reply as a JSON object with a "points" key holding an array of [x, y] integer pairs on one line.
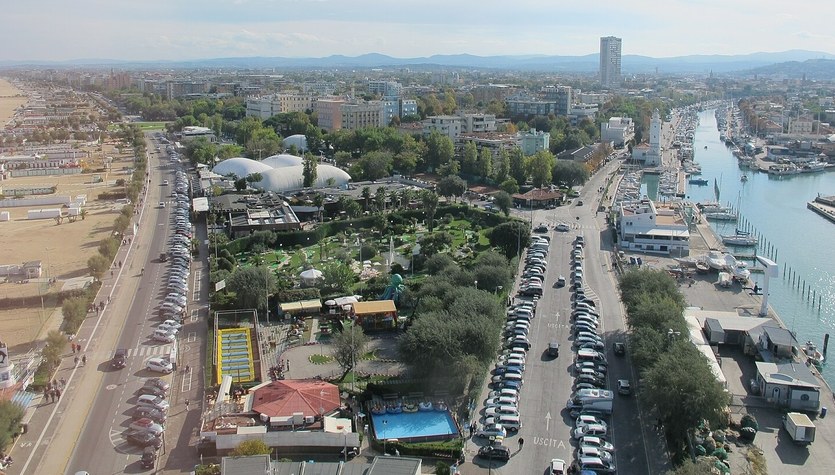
{"points": [[824, 206]]}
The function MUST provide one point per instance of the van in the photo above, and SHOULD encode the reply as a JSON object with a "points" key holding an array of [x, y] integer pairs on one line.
{"points": [[510, 422], [591, 355]]}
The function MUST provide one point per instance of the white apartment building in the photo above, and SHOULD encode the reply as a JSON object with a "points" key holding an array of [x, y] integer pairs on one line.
{"points": [[534, 141], [645, 226], [358, 116], [449, 125], [617, 130], [802, 125], [268, 106], [478, 123]]}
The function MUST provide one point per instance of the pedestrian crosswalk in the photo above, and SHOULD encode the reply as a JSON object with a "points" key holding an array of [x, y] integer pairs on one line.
{"points": [[148, 350]]}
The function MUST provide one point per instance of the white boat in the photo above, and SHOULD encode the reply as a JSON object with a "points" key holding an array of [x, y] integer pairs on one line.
{"points": [[722, 216], [739, 240], [715, 260], [812, 167], [783, 170], [811, 351]]}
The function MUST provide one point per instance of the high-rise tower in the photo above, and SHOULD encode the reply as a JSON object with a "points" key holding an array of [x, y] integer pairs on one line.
{"points": [[610, 61]]}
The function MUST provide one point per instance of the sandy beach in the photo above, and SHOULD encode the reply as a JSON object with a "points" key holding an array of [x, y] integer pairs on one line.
{"points": [[10, 98]]}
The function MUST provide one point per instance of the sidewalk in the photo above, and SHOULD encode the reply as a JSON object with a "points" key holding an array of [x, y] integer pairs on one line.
{"points": [[70, 411]]}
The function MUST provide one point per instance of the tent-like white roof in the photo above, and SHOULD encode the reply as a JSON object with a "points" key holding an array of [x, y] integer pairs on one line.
{"points": [[292, 178], [240, 167], [299, 140], [283, 160]]}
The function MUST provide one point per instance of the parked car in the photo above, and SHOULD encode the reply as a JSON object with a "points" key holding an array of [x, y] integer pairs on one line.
{"points": [[495, 452], [147, 412], [160, 365], [595, 430], [599, 442], [143, 439], [149, 457], [491, 431], [153, 390], [147, 425], [158, 382]]}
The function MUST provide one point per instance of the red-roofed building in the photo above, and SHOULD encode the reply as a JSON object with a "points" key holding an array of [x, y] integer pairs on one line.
{"points": [[287, 397], [538, 198]]}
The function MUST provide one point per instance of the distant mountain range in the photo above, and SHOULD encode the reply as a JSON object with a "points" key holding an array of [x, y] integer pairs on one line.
{"points": [[631, 64]]}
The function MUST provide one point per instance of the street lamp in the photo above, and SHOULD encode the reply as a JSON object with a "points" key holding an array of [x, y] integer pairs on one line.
{"points": [[476, 284], [385, 424]]}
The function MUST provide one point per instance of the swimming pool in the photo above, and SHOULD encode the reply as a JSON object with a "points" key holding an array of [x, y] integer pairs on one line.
{"points": [[414, 425]]}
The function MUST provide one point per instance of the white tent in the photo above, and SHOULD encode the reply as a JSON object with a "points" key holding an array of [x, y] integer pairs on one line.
{"points": [[311, 276]]}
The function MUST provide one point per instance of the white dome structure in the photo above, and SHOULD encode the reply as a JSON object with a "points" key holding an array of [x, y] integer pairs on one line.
{"points": [[299, 140], [282, 160], [240, 167], [290, 178]]}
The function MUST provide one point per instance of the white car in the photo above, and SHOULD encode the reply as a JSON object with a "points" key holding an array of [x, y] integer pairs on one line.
{"points": [[159, 365], [562, 227], [172, 324], [168, 328], [591, 441], [154, 402], [163, 337], [586, 420], [589, 430]]}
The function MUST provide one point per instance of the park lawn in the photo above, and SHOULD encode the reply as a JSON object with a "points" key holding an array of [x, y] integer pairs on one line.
{"points": [[150, 125]]}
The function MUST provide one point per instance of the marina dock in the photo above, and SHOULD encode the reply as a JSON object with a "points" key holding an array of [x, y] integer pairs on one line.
{"points": [[824, 210]]}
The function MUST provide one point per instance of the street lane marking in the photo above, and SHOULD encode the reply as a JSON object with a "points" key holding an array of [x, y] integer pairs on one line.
{"points": [[549, 442], [192, 337]]}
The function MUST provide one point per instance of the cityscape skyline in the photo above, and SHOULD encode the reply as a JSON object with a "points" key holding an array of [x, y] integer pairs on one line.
{"points": [[188, 30]]}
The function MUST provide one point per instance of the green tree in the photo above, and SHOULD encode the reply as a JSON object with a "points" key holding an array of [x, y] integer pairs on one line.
{"points": [[570, 173], [251, 447], [11, 413], [502, 166], [701, 466], [648, 281], [518, 170], [246, 129], [309, 170], [251, 286], [439, 150], [56, 344], [484, 167], [438, 263], [451, 186], [509, 186], [684, 391], [338, 276], [98, 265], [365, 193], [347, 347], [492, 270], [503, 200], [74, 310], [430, 207], [405, 162], [374, 165], [510, 237], [469, 158], [262, 143], [541, 165]]}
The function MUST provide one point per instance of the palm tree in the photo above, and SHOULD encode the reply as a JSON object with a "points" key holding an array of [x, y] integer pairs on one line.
{"points": [[394, 197], [318, 202], [366, 195], [380, 199], [430, 206]]}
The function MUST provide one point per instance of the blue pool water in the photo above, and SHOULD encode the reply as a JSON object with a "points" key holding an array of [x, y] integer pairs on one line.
{"points": [[414, 424]]}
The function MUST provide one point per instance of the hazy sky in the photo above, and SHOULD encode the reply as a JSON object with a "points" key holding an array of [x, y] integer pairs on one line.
{"points": [[195, 29]]}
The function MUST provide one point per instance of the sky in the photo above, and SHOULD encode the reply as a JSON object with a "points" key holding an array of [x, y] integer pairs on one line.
{"points": [[50, 30]]}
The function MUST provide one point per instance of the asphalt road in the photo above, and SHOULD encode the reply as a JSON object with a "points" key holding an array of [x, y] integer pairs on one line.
{"points": [[101, 447], [546, 426]]}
